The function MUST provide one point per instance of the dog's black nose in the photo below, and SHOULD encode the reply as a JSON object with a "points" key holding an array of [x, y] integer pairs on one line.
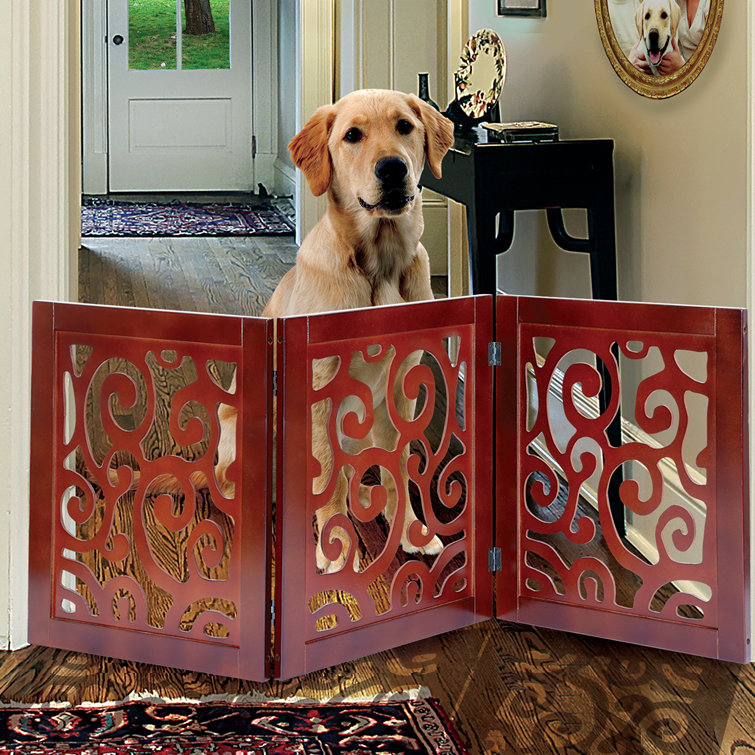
{"points": [[391, 170]]}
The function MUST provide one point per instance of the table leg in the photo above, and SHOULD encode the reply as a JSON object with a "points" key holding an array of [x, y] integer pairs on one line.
{"points": [[602, 231], [482, 250]]}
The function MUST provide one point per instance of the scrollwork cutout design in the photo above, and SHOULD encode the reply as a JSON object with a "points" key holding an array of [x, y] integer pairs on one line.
{"points": [[143, 535], [562, 537], [399, 441]]}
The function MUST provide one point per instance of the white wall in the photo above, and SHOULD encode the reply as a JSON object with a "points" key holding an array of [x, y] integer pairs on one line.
{"points": [[681, 167], [285, 173]]}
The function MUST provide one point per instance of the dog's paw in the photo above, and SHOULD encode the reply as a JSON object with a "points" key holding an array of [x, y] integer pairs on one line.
{"points": [[326, 566], [434, 547], [322, 561]]}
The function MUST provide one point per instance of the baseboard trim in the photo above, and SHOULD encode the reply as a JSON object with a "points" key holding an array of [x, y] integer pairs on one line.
{"points": [[285, 178]]}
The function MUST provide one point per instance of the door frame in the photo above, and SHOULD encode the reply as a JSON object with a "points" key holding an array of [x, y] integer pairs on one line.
{"points": [[95, 93], [315, 56], [41, 227]]}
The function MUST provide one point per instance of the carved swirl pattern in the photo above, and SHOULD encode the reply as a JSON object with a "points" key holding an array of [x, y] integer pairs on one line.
{"points": [[570, 555], [409, 384], [136, 418]]}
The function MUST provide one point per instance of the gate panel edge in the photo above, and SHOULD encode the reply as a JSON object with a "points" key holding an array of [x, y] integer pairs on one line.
{"points": [[93, 576]]}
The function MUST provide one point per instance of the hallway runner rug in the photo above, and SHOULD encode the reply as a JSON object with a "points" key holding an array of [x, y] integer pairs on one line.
{"points": [[273, 728], [108, 217]]}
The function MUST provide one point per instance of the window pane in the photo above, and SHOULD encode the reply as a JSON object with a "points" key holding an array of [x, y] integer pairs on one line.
{"points": [[206, 34], [152, 34]]}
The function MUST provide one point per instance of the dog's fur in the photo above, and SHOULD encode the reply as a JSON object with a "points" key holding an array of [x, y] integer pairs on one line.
{"points": [[367, 152], [657, 24]]}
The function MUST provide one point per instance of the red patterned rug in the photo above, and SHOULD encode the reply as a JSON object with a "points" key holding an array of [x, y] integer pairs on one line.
{"points": [[107, 217], [273, 728]]}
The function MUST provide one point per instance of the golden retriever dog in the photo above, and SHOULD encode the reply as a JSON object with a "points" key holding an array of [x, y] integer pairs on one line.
{"points": [[657, 24], [367, 151]]}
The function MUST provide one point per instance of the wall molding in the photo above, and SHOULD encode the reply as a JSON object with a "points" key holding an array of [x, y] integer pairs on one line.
{"points": [[43, 231], [264, 90], [94, 96], [458, 239], [285, 178], [316, 85], [750, 236]]}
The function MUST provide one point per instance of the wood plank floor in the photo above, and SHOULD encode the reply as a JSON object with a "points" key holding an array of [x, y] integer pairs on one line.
{"points": [[510, 689]]}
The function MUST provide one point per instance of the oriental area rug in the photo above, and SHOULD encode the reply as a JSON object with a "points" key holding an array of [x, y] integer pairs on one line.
{"points": [[108, 217], [142, 727]]}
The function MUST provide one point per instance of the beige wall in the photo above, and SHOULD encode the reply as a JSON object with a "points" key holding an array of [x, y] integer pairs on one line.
{"points": [[681, 164]]}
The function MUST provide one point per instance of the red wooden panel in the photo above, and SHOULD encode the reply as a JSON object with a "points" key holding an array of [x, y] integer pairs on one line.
{"points": [[680, 579], [335, 409], [137, 550]]}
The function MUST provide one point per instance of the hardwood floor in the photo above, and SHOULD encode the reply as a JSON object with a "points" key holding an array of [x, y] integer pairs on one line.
{"points": [[510, 689]]}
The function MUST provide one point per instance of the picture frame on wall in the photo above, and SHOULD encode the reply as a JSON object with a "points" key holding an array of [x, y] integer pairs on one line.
{"points": [[521, 8]]}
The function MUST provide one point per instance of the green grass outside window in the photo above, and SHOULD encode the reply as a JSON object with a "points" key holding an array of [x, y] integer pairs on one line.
{"points": [[152, 37]]}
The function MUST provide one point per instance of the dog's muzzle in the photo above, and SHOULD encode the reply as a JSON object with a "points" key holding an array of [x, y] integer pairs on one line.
{"points": [[391, 173], [655, 53]]}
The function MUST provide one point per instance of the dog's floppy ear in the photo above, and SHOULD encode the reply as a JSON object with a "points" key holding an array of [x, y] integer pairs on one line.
{"points": [[676, 17], [439, 132], [309, 149], [638, 17]]}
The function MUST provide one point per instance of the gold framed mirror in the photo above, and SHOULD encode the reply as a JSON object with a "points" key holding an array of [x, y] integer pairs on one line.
{"points": [[658, 47]]}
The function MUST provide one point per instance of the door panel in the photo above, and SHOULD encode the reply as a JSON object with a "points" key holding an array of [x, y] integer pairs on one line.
{"points": [[137, 550], [179, 105], [156, 124], [342, 436], [678, 579]]}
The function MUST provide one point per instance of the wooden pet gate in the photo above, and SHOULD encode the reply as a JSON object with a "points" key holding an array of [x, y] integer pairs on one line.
{"points": [[468, 437]]}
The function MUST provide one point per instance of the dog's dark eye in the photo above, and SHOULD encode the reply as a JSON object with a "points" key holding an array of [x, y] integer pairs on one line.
{"points": [[404, 127], [353, 135], [647, 16], [664, 15]]}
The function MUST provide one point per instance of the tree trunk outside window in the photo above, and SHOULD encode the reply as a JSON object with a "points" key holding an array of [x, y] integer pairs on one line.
{"points": [[198, 17]]}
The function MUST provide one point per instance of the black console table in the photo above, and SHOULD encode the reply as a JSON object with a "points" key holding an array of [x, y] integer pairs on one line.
{"points": [[493, 179]]}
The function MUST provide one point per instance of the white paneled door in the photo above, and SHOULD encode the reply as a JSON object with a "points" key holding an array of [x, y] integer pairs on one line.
{"points": [[180, 104]]}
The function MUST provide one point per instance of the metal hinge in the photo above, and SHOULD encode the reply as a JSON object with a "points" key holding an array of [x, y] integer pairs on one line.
{"points": [[275, 382], [272, 613], [254, 146], [494, 354], [494, 559]]}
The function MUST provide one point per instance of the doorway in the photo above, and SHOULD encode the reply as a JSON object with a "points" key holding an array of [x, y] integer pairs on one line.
{"points": [[179, 96], [158, 107]]}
